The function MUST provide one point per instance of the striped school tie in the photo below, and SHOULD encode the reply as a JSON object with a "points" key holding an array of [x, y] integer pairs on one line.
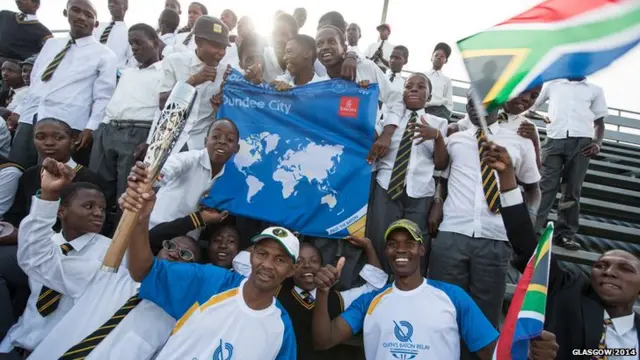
{"points": [[401, 164], [503, 117], [307, 297], [188, 39], [105, 34], [489, 181], [48, 72], [21, 16], [49, 299], [84, 347], [603, 340]]}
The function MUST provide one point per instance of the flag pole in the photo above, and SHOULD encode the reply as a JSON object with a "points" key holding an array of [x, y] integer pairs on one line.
{"points": [[481, 111]]}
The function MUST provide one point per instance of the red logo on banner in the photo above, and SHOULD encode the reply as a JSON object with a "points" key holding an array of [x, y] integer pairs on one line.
{"points": [[349, 106]]}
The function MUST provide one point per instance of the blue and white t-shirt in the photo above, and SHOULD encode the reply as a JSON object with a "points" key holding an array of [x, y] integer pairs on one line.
{"points": [[214, 321], [424, 323]]}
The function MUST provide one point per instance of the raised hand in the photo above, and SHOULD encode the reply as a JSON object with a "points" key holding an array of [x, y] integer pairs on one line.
{"points": [[53, 177], [136, 198], [348, 69], [364, 84], [527, 130], [423, 131], [328, 276], [358, 242], [254, 74], [213, 216], [280, 85], [496, 157], [544, 347]]}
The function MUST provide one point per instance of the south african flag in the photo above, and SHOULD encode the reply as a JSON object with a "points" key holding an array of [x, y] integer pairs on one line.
{"points": [[555, 39], [525, 318]]}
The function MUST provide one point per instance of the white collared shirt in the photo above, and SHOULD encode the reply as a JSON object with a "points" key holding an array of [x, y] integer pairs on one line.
{"points": [[118, 42], [186, 179], [573, 107], [465, 209], [397, 84], [19, 95], [513, 123], [136, 96], [291, 81], [387, 49], [5, 143], [80, 88], [180, 67], [9, 180], [442, 92], [40, 257], [419, 178], [366, 70], [30, 17], [622, 334], [169, 38], [140, 335]]}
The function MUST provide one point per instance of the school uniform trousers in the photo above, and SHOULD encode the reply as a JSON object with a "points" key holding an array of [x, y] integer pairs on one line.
{"points": [[128, 118], [413, 200], [573, 107], [471, 249]]}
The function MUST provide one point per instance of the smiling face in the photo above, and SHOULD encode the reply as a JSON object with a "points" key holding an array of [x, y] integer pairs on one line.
{"points": [[616, 278], [404, 253], [53, 140], [270, 265], [222, 141], [82, 18], [309, 262], [84, 212], [210, 52], [329, 47], [223, 247], [416, 92], [523, 102]]}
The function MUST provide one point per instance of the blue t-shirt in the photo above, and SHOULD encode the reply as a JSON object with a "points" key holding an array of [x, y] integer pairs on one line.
{"points": [[214, 322], [424, 323]]}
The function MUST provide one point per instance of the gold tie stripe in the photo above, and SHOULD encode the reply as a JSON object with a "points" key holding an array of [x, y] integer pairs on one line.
{"points": [[21, 17], [48, 72], [105, 34], [503, 117], [401, 163], [82, 349], [489, 180], [603, 340], [187, 39], [49, 299]]}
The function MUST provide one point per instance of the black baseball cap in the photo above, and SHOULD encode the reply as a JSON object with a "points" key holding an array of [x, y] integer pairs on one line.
{"points": [[212, 29]]}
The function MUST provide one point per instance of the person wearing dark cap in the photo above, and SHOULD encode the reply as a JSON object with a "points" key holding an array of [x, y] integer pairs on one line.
{"points": [[380, 51], [202, 68], [389, 316], [10, 115], [441, 102]]}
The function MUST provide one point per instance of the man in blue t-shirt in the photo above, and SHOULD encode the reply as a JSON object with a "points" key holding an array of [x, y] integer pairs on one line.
{"points": [[219, 313], [412, 318]]}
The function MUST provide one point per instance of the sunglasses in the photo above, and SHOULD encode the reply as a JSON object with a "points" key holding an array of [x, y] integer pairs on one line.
{"points": [[171, 246]]}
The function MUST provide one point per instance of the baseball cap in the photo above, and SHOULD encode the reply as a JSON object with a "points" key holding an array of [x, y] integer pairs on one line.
{"points": [[30, 60], [384, 25], [212, 29], [284, 237], [408, 225]]}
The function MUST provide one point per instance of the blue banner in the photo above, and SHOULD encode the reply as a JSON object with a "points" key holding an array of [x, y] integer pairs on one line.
{"points": [[302, 159]]}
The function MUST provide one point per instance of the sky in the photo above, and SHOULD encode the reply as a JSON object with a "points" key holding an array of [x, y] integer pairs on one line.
{"points": [[419, 25]]}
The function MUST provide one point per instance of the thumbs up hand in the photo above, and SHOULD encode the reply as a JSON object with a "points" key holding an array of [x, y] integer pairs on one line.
{"points": [[329, 275]]}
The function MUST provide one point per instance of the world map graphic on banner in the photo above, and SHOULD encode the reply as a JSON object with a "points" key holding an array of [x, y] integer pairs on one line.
{"points": [[302, 158]]}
